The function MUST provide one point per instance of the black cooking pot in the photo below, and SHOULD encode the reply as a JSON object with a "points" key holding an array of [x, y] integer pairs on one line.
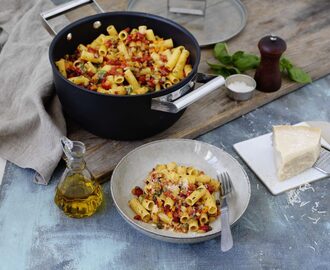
{"points": [[122, 117]]}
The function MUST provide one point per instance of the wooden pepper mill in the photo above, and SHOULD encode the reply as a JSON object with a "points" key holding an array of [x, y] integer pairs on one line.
{"points": [[268, 74]]}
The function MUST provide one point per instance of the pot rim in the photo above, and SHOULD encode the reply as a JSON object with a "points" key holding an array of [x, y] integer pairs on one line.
{"points": [[87, 19]]}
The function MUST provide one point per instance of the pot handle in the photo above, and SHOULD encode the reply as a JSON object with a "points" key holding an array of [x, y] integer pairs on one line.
{"points": [[61, 9], [161, 104]]}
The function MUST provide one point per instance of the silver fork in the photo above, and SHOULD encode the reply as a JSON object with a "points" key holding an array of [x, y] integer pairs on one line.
{"points": [[323, 162], [226, 236]]}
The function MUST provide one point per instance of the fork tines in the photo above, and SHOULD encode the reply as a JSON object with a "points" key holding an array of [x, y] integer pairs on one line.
{"points": [[226, 185], [323, 162]]}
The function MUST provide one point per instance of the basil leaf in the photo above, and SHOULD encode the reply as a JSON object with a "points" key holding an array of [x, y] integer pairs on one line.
{"points": [[214, 65], [237, 55], [232, 70], [226, 59], [298, 75], [285, 64], [221, 53], [245, 61], [295, 74], [223, 70], [220, 49]]}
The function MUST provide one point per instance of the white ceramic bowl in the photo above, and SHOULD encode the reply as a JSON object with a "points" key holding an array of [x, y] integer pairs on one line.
{"points": [[134, 167]]}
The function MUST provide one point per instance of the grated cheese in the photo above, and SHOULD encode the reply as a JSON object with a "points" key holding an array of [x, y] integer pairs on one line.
{"points": [[313, 248], [315, 220], [304, 203], [314, 208], [240, 87], [185, 184], [294, 198], [306, 187]]}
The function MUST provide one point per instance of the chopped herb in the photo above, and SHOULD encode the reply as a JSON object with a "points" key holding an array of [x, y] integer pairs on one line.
{"points": [[157, 192], [160, 226], [82, 67], [128, 89], [100, 75]]}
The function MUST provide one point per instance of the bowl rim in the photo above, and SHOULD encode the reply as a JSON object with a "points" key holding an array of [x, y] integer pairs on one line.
{"points": [[184, 237]]}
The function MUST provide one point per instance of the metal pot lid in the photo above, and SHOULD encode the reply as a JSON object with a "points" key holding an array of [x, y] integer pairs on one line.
{"points": [[223, 19]]}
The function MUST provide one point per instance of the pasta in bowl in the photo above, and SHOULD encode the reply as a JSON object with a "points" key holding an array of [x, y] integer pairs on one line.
{"points": [[190, 155], [175, 197], [129, 62]]}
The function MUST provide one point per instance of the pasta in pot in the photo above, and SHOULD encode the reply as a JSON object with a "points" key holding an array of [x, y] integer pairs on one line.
{"points": [[177, 197], [140, 61]]}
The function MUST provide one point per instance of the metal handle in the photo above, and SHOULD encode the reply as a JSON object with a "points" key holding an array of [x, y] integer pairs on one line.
{"points": [[61, 9], [226, 236], [164, 105]]}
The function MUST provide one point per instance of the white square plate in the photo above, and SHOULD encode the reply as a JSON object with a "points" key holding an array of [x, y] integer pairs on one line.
{"points": [[259, 156]]}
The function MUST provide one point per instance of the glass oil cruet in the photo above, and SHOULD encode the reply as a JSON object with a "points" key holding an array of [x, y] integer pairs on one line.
{"points": [[78, 195]]}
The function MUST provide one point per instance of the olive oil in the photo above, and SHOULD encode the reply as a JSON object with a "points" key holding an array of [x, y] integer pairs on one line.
{"points": [[77, 194], [78, 197]]}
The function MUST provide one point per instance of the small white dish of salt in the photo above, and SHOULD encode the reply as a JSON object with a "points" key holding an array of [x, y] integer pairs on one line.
{"points": [[240, 87]]}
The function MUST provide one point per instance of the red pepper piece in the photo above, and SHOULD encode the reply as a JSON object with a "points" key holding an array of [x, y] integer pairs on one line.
{"points": [[137, 217], [205, 228], [209, 188], [106, 85], [137, 191]]}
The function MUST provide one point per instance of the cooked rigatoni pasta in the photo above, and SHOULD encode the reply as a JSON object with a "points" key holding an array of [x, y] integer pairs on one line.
{"points": [[184, 218], [178, 69], [61, 67], [79, 80], [148, 204], [193, 225], [138, 208], [177, 197], [196, 195], [203, 219], [210, 203], [143, 61]]}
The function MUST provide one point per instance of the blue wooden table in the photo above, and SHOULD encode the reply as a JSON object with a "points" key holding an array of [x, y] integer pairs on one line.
{"points": [[276, 232]]}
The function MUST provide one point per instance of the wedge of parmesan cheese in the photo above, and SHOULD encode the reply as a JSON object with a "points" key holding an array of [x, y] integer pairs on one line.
{"points": [[296, 149]]}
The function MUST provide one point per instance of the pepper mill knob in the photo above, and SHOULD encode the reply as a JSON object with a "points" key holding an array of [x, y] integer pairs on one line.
{"points": [[268, 74]]}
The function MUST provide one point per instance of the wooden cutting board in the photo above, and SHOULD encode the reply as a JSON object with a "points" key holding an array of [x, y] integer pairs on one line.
{"points": [[303, 24]]}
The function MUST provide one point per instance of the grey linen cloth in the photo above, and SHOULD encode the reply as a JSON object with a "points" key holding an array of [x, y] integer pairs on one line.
{"points": [[31, 119]]}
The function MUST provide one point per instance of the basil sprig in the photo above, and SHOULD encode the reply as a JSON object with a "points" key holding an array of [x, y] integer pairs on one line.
{"points": [[241, 61], [295, 74]]}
